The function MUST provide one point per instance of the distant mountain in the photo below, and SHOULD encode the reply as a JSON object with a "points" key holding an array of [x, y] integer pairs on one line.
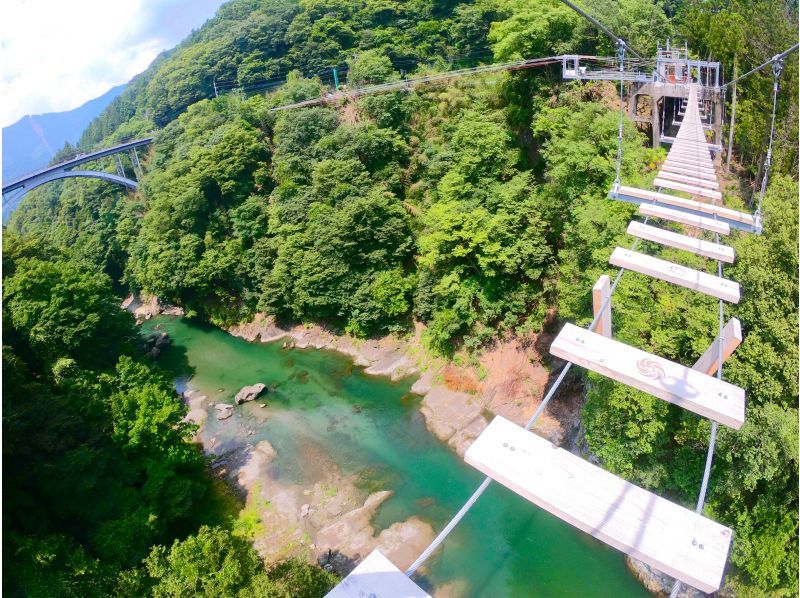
{"points": [[30, 142]]}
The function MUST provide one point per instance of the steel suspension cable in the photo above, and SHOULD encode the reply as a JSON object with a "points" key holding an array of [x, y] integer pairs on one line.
{"points": [[599, 25], [777, 69], [712, 438], [772, 60], [425, 555]]}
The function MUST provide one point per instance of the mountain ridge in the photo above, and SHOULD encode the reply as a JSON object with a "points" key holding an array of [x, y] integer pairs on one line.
{"points": [[33, 140]]}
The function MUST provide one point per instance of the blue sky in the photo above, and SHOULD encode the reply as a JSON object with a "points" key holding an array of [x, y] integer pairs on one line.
{"points": [[58, 54]]}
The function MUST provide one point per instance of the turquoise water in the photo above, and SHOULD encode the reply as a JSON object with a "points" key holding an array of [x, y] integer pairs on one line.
{"points": [[505, 546]]}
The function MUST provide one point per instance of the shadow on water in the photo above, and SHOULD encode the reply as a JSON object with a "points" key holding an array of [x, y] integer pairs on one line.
{"points": [[174, 358]]}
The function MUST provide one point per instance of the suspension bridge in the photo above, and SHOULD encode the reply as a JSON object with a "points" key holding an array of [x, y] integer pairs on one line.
{"points": [[673, 539], [678, 541]]}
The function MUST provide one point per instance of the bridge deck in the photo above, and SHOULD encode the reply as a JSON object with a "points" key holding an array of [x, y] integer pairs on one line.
{"points": [[667, 536], [96, 155]]}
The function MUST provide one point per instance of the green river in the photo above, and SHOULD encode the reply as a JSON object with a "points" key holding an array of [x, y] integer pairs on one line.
{"points": [[505, 546]]}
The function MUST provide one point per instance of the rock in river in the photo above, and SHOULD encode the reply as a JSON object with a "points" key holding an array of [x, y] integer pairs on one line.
{"points": [[224, 411], [248, 393]]}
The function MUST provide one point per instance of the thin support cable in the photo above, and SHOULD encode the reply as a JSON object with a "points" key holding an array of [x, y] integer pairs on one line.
{"points": [[777, 69], [448, 528], [712, 439], [425, 555], [621, 54]]}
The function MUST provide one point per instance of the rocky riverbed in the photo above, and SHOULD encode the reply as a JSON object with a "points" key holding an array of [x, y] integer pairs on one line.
{"points": [[329, 474], [508, 380]]}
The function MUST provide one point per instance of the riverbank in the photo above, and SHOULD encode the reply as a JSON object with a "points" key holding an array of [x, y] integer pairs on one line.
{"points": [[508, 379], [338, 440]]}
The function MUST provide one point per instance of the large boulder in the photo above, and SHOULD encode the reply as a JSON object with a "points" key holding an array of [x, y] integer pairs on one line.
{"points": [[248, 393]]}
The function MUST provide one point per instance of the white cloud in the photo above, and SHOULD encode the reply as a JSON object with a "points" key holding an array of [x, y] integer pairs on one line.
{"points": [[58, 54]]}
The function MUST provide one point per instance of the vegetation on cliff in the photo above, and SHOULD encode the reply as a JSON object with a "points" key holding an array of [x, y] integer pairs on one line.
{"points": [[473, 206]]}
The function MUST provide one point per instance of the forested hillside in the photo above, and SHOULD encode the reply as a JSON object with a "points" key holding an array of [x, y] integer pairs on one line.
{"points": [[476, 207]]}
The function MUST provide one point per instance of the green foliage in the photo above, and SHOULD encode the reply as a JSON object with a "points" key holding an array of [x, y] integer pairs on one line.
{"points": [[745, 34], [482, 243], [212, 563], [533, 29], [475, 206], [215, 562], [368, 68], [97, 459]]}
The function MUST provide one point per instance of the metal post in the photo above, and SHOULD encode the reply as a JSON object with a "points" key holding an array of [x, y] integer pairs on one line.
{"points": [[133, 163], [654, 122], [120, 169], [138, 163], [733, 115], [137, 166]]}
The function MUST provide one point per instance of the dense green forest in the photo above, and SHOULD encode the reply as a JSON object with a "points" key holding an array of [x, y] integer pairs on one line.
{"points": [[103, 490], [475, 206]]}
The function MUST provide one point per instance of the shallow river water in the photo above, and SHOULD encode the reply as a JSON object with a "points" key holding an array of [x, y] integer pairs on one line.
{"points": [[505, 546]]}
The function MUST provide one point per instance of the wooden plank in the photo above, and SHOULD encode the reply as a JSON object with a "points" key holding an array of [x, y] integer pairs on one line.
{"points": [[677, 151], [697, 157], [652, 529], [671, 239], [695, 391], [688, 180], [689, 204], [715, 226], [706, 165], [731, 338], [695, 138], [692, 167], [696, 172], [600, 291], [377, 576], [690, 154], [708, 284], [692, 141], [697, 191]]}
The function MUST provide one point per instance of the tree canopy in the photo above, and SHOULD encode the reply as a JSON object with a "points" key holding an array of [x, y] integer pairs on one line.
{"points": [[475, 207]]}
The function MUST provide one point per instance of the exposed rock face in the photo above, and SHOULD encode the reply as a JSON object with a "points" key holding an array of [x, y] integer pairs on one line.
{"points": [[385, 356], [224, 411], [249, 393], [454, 417], [196, 403], [162, 340], [353, 535], [256, 461], [154, 343], [262, 328], [659, 583], [145, 307], [425, 382]]}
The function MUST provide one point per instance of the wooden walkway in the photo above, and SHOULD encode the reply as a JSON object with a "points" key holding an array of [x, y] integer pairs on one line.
{"points": [[669, 537], [673, 539], [377, 576]]}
